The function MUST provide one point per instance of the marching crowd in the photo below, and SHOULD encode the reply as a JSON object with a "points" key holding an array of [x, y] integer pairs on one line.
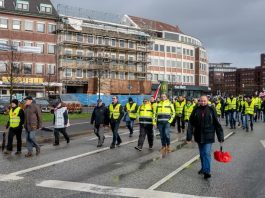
{"points": [[198, 117]]}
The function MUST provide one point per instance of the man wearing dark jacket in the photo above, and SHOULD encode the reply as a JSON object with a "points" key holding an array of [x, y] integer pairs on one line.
{"points": [[203, 124], [15, 125], [100, 118], [263, 108], [115, 115], [61, 122]]}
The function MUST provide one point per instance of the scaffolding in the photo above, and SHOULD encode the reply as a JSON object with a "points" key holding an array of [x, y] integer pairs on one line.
{"points": [[117, 49]]}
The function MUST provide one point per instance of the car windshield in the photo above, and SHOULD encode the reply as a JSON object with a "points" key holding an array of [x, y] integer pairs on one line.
{"points": [[68, 97], [41, 102]]}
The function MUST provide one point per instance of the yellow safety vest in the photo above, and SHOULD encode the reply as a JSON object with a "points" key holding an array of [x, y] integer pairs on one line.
{"points": [[114, 111], [131, 108], [165, 111], [231, 104], [187, 111], [218, 108], [258, 102], [249, 109], [179, 107], [146, 114], [14, 118]]}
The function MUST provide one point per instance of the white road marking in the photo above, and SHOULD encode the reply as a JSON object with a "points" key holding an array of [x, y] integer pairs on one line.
{"points": [[9, 176], [262, 142], [165, 179], [111, 191]]}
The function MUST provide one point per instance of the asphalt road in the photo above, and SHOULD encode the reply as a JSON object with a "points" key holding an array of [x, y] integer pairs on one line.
{"points": [[82, 170]]}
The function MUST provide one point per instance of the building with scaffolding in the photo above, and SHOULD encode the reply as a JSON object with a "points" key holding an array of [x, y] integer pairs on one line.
{"points": [[101, 53], [175, 57]]}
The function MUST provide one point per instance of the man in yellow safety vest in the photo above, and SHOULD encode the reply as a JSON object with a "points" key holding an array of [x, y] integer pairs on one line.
{"points": [[187, 110], [248, 112], [15, 125], [115, 116], [131, 114], [232, 106], [179, 105]]}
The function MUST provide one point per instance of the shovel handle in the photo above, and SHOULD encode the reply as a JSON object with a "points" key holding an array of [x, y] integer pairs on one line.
{"points": [[221, 148]]}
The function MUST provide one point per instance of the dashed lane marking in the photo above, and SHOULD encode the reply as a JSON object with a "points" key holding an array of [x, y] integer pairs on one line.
{"points": [[168, 177], [110, 191]]}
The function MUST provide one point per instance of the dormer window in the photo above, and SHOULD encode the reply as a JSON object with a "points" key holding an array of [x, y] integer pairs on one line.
{"points": [[22, 5], [45, 8], [2, 3]]}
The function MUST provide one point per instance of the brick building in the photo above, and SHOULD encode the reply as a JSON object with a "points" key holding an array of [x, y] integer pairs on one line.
{"points": [[28, 29]]}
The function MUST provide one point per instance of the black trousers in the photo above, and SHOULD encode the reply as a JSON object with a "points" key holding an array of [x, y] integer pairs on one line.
{"points": [[14, 132], [62, 131], [115, 131], [146, 129], [180, 124]]}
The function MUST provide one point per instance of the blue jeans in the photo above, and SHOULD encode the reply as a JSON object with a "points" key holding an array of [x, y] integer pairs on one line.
{"points": [[226, 118], [164, 129], [116, 137], [240, 118], [31, 141], [246, 119], [232, 118], [205, 155], [129, 125]]}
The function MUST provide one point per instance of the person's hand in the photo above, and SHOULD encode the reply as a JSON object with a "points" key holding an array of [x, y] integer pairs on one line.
{"points": [[155, 126], [188, 142]]}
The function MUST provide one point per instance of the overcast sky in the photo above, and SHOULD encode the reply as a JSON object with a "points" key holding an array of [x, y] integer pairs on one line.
{"points": [[230, 30]]}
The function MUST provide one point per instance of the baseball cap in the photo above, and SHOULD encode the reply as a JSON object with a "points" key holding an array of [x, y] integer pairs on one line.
{"points": [[28, 98]]}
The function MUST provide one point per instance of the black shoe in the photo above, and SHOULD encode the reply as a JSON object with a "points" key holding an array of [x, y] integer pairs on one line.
{"points": [[38, 150], [150, 147], [200, 172], [138, 148], [103, 139], [56, 144], [251, 129], [119, 143], [68, 141], [99, 145], [18, 153], [207, 175], [112, 146], [246, 130], [130, 135]]}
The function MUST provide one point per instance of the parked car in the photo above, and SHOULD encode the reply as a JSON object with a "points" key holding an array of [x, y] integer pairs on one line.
{"points": [[43, 104], [4, 105]]}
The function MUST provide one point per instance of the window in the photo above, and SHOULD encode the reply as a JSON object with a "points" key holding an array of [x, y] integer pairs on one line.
{"points": [[131, 44], [3, 66], [2, 3], [27, 44], [3, 23], [68, 72], [51, 69], [16, 68], [113, 42], [131, 76], [16, 43], [40, 27], [90, 39], [130, 60], [113, 75], [106, 41], [173, 49], [99, 40], [51, 49], [168, 49], [122, 43], [39, 68], [27, 68], [51, 28], [90, 54], [22, 5], [16, 25], [191, 52], [28, 26], [156, 47], [68, 37], [161, 62], [68, 51], [122, 59], [41, 46], [46, 8], [79, 73], [122, 75], [79, 38], [162, 48]]}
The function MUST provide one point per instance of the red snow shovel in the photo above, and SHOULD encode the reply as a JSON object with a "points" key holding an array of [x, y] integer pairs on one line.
{"points": [[224, 157]]}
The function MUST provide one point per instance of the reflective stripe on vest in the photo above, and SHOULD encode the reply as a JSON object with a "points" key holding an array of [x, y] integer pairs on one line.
{"points": [[187, 112], [114, 111], [14, 118], [231, 104], [249, 109], [131, 108], [179, 107], [164, 111], [145, 114]]}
